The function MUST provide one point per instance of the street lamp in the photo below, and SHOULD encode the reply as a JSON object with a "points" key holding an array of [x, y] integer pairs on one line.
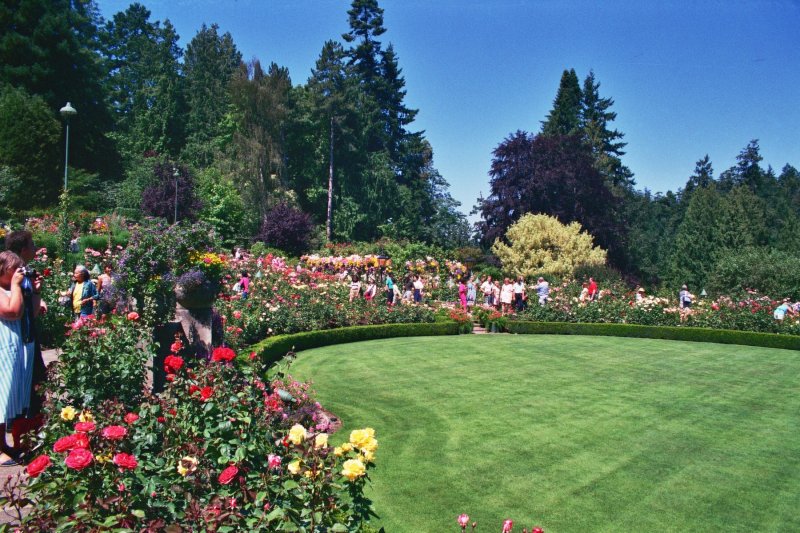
{"points": [[176, 175], [67, 111]]}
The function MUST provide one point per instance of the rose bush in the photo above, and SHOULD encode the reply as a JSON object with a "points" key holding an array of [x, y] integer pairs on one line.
{"points": [[220, 449]]}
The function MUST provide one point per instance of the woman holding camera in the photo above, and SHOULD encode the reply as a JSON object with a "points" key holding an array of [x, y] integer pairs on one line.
{"points": [[16, 357]]}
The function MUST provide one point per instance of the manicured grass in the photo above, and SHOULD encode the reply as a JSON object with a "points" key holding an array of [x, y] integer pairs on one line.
{"points": [[571, 433]]}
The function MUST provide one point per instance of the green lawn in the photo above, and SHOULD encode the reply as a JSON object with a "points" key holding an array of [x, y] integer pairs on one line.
{"points": [[571, 433]]}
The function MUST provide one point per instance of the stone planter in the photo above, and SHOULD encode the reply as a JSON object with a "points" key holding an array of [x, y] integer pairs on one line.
{"points": [[196, 296]]}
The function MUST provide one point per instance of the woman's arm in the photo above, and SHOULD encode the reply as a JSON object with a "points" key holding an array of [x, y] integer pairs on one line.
{"points": [[12, 306]]}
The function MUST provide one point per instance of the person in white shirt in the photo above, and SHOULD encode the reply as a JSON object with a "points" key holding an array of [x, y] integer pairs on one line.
{"points": [[506, 295], [418, 286], [487, 289]]}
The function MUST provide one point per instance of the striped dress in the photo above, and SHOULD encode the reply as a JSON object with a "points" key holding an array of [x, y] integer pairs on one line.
{"points": [[16, 370]]}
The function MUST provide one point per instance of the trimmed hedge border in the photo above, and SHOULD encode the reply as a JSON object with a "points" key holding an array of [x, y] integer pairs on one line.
{"points": [[721, 336], [273, 349]]}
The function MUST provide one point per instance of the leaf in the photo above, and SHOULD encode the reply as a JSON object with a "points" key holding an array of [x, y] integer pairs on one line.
{"points": [[138, 513], [276, 513], [339, 528], [290, 484]]}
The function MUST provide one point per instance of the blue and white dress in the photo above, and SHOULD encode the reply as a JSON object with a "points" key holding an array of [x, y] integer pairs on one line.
{"points": [[16, 369]]}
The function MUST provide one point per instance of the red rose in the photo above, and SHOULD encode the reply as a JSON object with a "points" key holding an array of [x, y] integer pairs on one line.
{"points": [[71, 442], [84, 427], [223, 354], [125, 461], [133, 315], [228, 474], [176, 347], [79, 459], [38, 465], [130, 418], [193, 389], [170, 377], [161, 419], [252, 355], [114, 432], [172, 363], [206, 393]]}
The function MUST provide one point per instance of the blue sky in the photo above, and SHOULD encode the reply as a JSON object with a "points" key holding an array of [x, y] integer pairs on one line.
{"points": [[688, 78]]}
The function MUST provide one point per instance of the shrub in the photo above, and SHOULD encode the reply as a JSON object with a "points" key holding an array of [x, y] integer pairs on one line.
{"points": [[103, 360], [767, 271], [286, 228], [274, 348], [746, 338], [158, 200]]}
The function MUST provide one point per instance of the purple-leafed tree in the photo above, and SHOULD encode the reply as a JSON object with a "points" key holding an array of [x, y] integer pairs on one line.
{"points": [[553, 175], [286, 228], [173, 196]]}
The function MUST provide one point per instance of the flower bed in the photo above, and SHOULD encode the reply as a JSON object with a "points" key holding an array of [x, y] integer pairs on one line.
{"points": [[220, 449], [282, 300]]}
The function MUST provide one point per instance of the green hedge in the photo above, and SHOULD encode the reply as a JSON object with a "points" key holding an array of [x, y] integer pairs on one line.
{"points": [[722, 336], [273, 349]]}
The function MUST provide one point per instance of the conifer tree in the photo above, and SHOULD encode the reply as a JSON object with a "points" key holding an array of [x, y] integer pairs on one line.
{"points": [[565, 117]]}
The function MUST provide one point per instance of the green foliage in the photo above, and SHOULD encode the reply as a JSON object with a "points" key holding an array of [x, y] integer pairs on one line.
{"points": [[223, 208], [765, 270], [29, 150], [746, 338], [565, 117], [541, 245], [103, 360]]}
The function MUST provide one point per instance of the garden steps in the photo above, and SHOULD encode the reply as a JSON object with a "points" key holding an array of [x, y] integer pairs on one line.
{"points": [[478, 329]]}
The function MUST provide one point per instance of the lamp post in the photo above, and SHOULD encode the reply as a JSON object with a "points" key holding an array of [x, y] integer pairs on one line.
{"points": [[383, 262], [67, 112], [176, 175]]}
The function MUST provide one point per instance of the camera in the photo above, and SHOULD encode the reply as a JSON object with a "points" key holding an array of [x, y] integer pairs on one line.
{"points": [[29, 272]]}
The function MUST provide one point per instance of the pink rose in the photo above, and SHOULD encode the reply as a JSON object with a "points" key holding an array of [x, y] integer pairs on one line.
{"points": [[133, 315], [227, 475], [463, 520], [507, 525], [130, 418], [79, 459], [125, 461], [274, 461], [38, 465], [114, 432], [84, 427]]}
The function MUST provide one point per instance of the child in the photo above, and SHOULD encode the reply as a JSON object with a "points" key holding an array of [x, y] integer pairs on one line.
{"points": [[244, 284]]}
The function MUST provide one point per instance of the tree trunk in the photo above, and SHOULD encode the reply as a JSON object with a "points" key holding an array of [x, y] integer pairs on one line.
{"points": [[329, 221]]}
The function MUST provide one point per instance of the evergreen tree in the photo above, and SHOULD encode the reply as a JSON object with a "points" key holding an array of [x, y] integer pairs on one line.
{"points": [[50, 48], [703, 177], [211, 60], [697, 240], [145, 83], [565, 117], [606, 144], [29, 150]]}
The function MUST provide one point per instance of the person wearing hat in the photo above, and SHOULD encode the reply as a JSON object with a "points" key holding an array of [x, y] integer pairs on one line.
{"points": [[640, 294]]}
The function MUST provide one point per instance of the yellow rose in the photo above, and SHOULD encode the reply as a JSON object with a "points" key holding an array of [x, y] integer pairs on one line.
{"points": [[368, 455], [86, 416], [294, 467], [347, 447], [297, 434], [321, 441], [102, 459], [187, 465], [364, 438], [353, 468], [338, 451], [68, 413], [370, 445]]}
